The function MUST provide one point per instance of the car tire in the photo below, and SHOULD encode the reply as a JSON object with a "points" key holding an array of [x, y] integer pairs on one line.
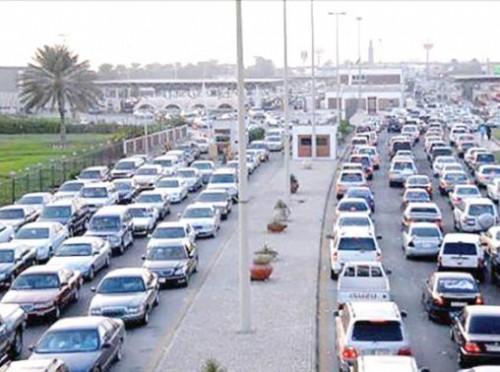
{"points": [[145, 318], [96, 369], [17, 345], [91, 274], [56, 314], [195, 269], [156, 302], [463, 361], [391, 184], [107, 263], [119, 355], [76, 295]]}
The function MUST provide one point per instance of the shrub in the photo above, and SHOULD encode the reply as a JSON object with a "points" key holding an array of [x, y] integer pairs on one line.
{"points": [[256, 134]]}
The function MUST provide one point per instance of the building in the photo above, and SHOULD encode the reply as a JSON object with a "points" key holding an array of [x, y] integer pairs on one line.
{"points": [[326, 137], [9, 91]]}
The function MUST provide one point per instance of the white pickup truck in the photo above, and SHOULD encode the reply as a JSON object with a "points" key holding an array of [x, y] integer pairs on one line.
{"points": [[363, 281]]}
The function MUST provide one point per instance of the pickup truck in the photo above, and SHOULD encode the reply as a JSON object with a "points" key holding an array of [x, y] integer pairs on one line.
{"points": [[363, 281], [12, 325]]}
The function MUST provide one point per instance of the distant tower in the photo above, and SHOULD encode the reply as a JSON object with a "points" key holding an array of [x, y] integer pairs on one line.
{"points": [[427, 46], [371, 56]]}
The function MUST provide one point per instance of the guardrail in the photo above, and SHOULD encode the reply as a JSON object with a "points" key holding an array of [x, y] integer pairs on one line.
{"points": [[155, 142]]}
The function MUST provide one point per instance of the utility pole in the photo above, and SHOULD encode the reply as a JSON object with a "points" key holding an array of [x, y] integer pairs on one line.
{"points": [[337, 55], [360, 103], [427, 46], [313, 92], [285, 106]]}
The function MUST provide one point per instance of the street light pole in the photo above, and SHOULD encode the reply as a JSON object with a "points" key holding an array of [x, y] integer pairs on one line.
{"points": [[339, 101], [245, 310], [285, 107], [313, 91], [360, 105]]}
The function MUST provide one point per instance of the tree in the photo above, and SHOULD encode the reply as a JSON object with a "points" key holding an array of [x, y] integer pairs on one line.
{"points": [[59, 79], [106, 70], [263, 68]]}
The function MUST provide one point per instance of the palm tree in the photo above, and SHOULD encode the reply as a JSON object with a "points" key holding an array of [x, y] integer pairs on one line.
{"points": [[58, 79]]}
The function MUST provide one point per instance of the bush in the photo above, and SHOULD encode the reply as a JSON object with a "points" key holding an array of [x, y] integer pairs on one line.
{"points": [[256, 134]]}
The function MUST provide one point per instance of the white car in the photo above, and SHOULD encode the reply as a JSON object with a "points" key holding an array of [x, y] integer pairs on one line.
{"points": [[274, 143], [422, 239], [352, 205], [6, 232], [17, 215], [157, 199], [205, 219], [475, 215], [486, 173], [169, 163], [172, 231], [226, 179], [98, 194], [36, 199], [490, 240], [70, 189], [192, 177], [493, 189], [206, 168], [147, 175], [219, 199], [144, 218], [46, 237], [354, 219], [461, 192], [440, 162], [86, 254], [203, 144], [175, 187]]}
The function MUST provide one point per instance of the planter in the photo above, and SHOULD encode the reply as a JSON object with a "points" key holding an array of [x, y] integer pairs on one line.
{"points": [[260, 272], [294, 186], [276, 227]]}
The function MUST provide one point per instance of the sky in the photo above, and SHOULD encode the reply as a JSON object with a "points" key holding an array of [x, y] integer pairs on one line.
{"points": [[125, 32]]}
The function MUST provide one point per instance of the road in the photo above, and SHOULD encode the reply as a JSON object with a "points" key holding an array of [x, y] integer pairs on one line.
{"points": [[430, 342], [141, 342]]}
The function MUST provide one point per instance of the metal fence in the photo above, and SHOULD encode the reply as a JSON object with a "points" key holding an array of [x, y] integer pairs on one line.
{"points": [[156, 142]]}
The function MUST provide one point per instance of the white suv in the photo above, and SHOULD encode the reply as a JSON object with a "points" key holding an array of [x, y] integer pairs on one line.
{"points": [[462, 252], [369, 328], [352, 244], [475, 215]]}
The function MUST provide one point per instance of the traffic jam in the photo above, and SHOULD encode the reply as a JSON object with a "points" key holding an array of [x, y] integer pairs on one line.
{"points": [[439, 187]]}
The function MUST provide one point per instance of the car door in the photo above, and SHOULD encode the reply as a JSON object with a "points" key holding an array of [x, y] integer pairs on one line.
{"points": [[151, 288], [65, 289], [106, 336], [192, 257]]}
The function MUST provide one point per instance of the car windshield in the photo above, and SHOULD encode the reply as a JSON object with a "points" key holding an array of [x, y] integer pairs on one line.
{"points": [[94, 192], [351, 177], [456, 285], [56, 212], [36, 281], [124, 284], [11, 214], [418, 181], [164, 163], [169, 253], [71, 186], [125, 165], [491, 171], [33, 233], [169, 233], [354, 221], [68, 341], [187, 173], [168, 183], [426, 232], [352, 206], [468, 191], [7, 256], [377, 331], [356, 244], [460, 248], [485, 158], [68, 250], [485, 324], [356, 193], [198, 213], [90, 174], [105, 223], [212, 197], [202, 166], [30, 200], [122, 186], [479, 209], [149, 198], [140, 212], [222, 178]]}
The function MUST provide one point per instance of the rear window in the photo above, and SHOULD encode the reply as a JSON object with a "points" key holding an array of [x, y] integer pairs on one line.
{"points": [[401, 146], [491, 171], [377, 331], [356, 244], [428, 210], [351, 177], [442, 152], [460, 248], [352, 206], [455, 177], [456, 285], [426, 232], [485, 324], [402, 165], [485, 158]]}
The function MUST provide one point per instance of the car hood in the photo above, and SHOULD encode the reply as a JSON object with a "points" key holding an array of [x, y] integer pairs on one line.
{"points": [[117, 300], [199, 221], [163, 265], [142, 221], [62, 220], [77, 362], [72, 262], [13, 223], [33, 242], [172, 190], [30, 296], [94, 200]]}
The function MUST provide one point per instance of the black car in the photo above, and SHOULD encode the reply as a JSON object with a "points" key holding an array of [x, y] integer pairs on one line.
{"points": [[445, 293], [476, 333], [14, 259], [394, 126], [440, 151], [127, 190], [69, 212]]}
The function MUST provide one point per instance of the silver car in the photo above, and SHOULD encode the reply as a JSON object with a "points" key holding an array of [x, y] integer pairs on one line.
{"points": [[422, 239], [129, 294], [144, 218], [220, 199]]}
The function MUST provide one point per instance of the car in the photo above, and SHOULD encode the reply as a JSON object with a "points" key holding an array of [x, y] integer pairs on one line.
{"points": [[86, 254], [205, 167], [422, 212], [84, 343], [219, 199], [363, 193], [125, 168], [446, 293], [144, 218], [173, 262], [97, 195], [158, 199], [401, 169], [36, 199], [399, 144], [147, 175], [376, 363], [169, 163], [486, 173], [354, 219], [114, 224], [369, 328], [405, 154], [203, 144], [127, 190], [46, 237], [17, 216], [469, 154], [94, 174], [439, 163], [42, 365], [422, 239], [475, 332], [205, 219], [366, 161], [263, 149], [490, 240], [462, 252], [13, 324], [192, 177], [475, 215], [69, 189], [172, 231], [14, 259], [463, 146], [453, 167], [235, 166], [129, 294], [43, 291], [175, 187], [481, 158], [461, 192], [414, 196], [349, 205], [372, 152], [348, 179], [183, 158], [352, 244], [274, 143], [438, 151], [420, 182], [72, 213], [226, 179], [449, 180]]}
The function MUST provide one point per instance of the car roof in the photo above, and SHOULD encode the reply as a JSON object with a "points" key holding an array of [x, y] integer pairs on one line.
{"points": [[78, 322], [375, 310], [139, 205], [151, 192], [423, 204], [111, 209], [355, 232], [423, 224], [478, 201], [37, 194], [199, 205], [42, 269], [148, 165], [171, 224], [165, 157], [461, 237], [351, 200], [47, 224], [484, 310], [97, 167], [452, 275], [224, 171], [62, 202], [127, 271], [213, 191], [98, 184], [85, 239]]}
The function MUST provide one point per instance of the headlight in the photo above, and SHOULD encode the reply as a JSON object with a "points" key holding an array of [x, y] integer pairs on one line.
{"points": [[95, 311], [3, 276], [135, 309], [180, 270]]}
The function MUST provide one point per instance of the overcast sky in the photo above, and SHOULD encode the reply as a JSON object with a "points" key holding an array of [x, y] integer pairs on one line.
{"points": [[191, 31]]}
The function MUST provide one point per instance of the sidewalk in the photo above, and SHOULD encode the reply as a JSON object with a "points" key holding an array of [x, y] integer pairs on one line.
{"points": [[283, 309]]}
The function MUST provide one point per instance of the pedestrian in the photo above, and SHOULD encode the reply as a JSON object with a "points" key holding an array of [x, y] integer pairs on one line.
{"points": [[488, 132], [482, 132]]}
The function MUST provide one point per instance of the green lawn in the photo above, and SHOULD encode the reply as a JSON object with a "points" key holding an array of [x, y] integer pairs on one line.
{"points": [[20, 151], [496, 134]]}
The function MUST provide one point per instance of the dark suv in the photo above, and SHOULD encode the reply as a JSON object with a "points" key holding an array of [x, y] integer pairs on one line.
{"points": [[69, 212]]}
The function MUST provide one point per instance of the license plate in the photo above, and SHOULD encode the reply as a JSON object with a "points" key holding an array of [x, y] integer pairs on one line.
{"points": [[363, 296], [162, 280], [427, 245], [494, 348], [377, 352], [458, 304]]}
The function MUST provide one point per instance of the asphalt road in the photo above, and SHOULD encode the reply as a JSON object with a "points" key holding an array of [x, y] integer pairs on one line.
{"points": [[141, 342], [430, 342]]}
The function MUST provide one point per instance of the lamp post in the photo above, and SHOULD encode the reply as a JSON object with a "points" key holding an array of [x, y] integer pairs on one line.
{"points": [[337, 55], [360, 104], [245, 311], [313, 91], [285, 107], [427, 46]]}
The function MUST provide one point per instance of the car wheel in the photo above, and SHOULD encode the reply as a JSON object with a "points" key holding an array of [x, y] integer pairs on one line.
{"points": [[391, 184], [145, 318], [195, 269], [56, 314], [119, 355], [121, 249], [157, 299], [215, 233], [17, 345], [463, 361], [91, 274], [107, 263], [76, 295]]}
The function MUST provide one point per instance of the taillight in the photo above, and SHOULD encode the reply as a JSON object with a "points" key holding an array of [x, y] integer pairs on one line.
{"points": [[472, 347], [405, 351], [480, 300], [349, 353], [438, 300]]}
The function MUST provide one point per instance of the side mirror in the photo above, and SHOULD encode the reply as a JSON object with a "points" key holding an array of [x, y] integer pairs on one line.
{"points": [[93, 289], [106, 345], [31, 348], [95, 253], [424, 369], [388, 271], [404, 314]]}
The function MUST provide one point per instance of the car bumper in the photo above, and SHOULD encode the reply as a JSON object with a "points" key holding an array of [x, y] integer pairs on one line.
{"points": [[201, 232], [493, 358], [422, 252], [172, 279], [126, 317], [35, 313], [140, 230]]}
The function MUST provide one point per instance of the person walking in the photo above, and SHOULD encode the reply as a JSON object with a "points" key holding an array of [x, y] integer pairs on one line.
{"points": [[483, 132], [488, 132]]}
